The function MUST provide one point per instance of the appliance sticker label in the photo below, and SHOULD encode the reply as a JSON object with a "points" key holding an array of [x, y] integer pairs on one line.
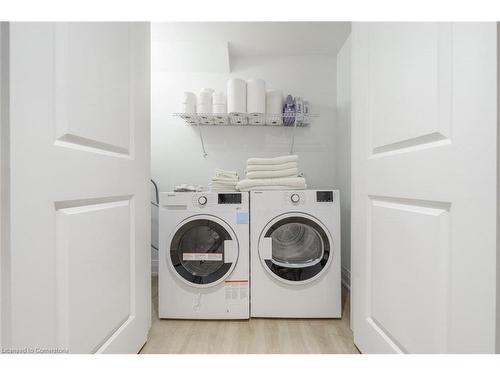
{"points": [[241, 217], [202, 256], [236, 289]]}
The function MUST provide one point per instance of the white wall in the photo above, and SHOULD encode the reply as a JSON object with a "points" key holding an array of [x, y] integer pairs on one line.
{"points": [[343, 152], [176, 150]]}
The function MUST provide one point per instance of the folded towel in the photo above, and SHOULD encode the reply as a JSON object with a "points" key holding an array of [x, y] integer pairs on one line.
{"points": [[225, 174], [227, 181], [224, 179], [213, 187], [276, 187], [271, 167], [288, 182], [277, 160], [218, 186], [223, 183], [292, 172]]}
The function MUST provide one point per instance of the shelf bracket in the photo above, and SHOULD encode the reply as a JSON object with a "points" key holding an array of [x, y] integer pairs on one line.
{"points": [[224, 119], [202, 143], [292, 143]]}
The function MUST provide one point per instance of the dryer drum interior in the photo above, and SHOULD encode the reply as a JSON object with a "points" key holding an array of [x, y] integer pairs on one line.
{"points": [[300, 248]]}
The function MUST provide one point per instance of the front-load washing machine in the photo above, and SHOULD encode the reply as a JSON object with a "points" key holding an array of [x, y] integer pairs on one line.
{"points": [[204, 255], [295, 254]]}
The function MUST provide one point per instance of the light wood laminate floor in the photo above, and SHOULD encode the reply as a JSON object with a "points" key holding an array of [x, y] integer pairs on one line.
{"points": [[249, 336]]}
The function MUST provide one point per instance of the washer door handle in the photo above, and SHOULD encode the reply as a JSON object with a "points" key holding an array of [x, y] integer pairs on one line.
{"points": [[230, 251], [266, 248]]}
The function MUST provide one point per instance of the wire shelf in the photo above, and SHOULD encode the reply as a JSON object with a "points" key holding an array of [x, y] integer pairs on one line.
{"points": [[255, 119]]}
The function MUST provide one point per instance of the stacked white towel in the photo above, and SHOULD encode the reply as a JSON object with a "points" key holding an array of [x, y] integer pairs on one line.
{"points": [[224, 180], [280, 173]]}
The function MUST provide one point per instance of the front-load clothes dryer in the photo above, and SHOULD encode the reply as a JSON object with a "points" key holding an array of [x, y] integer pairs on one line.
{"points": [[204, 255], [295, 254]]}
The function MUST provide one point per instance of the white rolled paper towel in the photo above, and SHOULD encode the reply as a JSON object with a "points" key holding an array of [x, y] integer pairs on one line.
{"points": [[274, 107], [236, 96], [256, 96]]}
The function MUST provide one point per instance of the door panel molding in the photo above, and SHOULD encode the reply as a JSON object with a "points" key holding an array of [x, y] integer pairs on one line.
{"points": [[409, 145], [441, 65], [395, 345], [104, 221], [87, 136], [85, 144], [407, 232]]}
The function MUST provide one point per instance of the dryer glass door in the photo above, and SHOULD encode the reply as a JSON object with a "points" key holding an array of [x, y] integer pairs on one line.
{"points": [[298, 248], [200, 251]]}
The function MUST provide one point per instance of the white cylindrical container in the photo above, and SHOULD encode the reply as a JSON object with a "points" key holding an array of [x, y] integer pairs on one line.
{"points": [[188, 97], [236, 96], [256, 101], [204, 103], [256, 96], [218, 98], [219, 103], [274, 107], [188, 103], [219, 108], [188, 107], [207, 89]]}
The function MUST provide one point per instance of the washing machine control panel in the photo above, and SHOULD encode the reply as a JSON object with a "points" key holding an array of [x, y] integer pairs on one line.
{"points": [[294, 198], [324, 196], [223, 201], [229, 198]]}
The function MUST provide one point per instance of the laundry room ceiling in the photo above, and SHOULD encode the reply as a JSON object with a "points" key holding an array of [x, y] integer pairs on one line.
{"points": [[242, 40]]}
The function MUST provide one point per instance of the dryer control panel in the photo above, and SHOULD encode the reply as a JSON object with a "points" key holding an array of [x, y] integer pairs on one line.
{"points": [[303, 197], [295, 198]]}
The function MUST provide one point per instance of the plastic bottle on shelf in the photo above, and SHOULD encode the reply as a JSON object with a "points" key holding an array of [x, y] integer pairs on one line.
{"points": [[289, 110]]}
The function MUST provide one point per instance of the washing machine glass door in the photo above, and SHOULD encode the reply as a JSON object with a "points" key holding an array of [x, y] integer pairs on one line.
{"points": [[203, 251], [295, 248]]}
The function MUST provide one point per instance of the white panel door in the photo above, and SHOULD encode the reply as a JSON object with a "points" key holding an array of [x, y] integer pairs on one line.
{"points": [[79, 185], [424, 187]]}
